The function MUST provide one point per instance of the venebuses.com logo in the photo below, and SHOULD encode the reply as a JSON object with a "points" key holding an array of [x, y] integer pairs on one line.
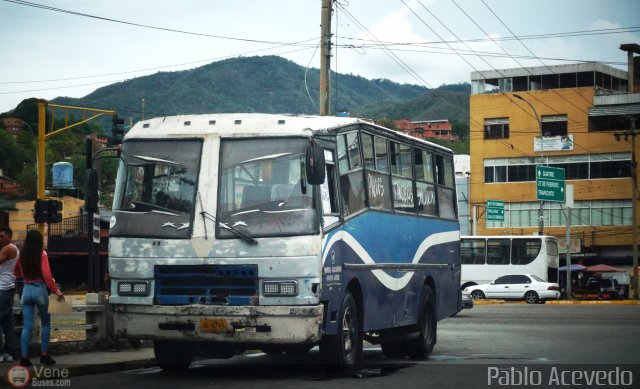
{"points": [[20, 377]]}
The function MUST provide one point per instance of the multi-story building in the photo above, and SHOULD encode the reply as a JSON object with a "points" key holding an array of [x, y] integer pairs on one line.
{"points": [[559, 116], [427, 129]]}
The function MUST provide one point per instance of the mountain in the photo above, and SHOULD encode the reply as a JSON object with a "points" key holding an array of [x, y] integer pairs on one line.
{"points": [[268, 84]]}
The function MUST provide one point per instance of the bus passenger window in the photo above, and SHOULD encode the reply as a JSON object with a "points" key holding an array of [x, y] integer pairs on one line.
{"points": [[382, 160], [379, 190], [352, 188], [498, 251], [352, 191], [367, 151], [446, 187]]}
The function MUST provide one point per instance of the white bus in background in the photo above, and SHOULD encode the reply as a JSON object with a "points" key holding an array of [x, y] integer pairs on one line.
{"points": [[485, 258]]}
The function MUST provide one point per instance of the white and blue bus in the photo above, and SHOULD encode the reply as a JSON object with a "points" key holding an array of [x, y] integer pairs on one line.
{"points": [[485, 258], [242, 231]]}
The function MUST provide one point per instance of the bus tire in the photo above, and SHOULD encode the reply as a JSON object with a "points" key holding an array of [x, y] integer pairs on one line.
{"points": [[173, 356], [427, 326], [342, 352]]}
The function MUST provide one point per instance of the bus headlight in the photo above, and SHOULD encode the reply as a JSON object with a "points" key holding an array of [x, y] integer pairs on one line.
{"points": [[280, 288], [133, 288]]}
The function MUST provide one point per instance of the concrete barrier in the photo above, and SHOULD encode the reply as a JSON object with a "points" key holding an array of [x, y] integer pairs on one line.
{"points": [[93, 306]]}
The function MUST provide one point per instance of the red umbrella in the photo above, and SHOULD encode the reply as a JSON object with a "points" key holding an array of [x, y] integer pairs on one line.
{"points": [[603, 269]]}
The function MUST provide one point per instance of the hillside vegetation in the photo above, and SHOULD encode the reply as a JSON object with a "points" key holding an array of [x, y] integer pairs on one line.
{"points": [[266, 84]]}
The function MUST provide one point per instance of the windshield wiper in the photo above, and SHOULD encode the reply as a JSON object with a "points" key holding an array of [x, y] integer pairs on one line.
{"points": [[236, 232]]}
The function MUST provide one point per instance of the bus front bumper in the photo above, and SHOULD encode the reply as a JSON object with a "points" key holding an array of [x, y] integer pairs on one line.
{"points": [[228, 324]]}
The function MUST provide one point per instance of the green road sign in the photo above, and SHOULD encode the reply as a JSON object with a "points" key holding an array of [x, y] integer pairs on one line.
{"points": [[495, 210], [550, 183]]}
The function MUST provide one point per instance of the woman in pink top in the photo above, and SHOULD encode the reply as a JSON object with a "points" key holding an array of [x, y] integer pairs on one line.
{"points": [[33, 268]]}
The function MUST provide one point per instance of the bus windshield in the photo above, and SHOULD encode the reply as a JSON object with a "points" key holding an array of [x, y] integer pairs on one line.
{"points": [[157, 178], [263, 191]]}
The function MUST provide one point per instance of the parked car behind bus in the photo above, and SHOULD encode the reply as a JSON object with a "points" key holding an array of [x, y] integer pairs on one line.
{"points": [[516, 286]]}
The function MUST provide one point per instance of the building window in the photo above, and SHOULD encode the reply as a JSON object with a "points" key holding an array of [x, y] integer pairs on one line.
{"points": [[576, 167], [497, 128], [612, 122], [554, 125], [592, 213]]}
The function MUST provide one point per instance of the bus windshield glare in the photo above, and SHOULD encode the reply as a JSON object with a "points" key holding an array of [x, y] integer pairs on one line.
{"points": [[263, 191], [157, 178]]}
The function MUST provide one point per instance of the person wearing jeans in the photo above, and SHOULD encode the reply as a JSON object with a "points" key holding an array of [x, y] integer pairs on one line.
{"points": [[8, 258], [33, 268]]}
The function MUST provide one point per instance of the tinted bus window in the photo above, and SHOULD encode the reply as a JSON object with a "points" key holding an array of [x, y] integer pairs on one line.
{"points": [[524, 251], [472, 251], [498, 251]]}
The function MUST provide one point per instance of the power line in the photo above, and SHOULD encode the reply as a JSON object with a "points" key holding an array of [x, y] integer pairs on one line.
{"points": [[121, 80], [49, 8], [387, 51], [167, 66]]}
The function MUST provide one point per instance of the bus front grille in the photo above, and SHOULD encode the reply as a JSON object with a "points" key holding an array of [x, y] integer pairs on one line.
{"points": [[205, 284]]}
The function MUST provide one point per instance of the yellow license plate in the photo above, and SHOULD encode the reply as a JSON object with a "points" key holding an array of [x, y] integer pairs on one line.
{"points": [[213, 325]]}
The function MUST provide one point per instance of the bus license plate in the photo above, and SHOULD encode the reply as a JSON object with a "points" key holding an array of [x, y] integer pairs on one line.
{"points": [[213, 325]]}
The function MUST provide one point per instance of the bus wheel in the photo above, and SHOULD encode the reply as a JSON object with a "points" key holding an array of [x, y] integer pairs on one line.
{"points": [[531, 297], [343, 351], [173, 356], [427, 326]]}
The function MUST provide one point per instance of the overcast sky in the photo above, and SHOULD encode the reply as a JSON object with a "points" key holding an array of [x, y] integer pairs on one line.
{"points": [[48, 53]]}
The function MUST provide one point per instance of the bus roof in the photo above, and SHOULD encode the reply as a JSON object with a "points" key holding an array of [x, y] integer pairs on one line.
{"points": [[249, 124]]}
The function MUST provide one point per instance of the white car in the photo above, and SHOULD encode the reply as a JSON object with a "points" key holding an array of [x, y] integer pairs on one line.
{"points": [[516, 286]]}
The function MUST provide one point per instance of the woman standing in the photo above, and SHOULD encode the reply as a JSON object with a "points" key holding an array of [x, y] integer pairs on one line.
{"points": [[33, 268]]}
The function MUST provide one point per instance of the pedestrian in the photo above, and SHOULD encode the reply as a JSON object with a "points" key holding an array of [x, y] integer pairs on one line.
{"points": [[33, 268], [8, 258]]}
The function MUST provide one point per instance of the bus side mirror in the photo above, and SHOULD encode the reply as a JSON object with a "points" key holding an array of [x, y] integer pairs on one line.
{"points": [[91, 191], [315, 165]]}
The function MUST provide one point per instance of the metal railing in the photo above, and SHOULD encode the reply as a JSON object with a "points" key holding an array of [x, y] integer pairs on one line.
{"points": [[68, 227]]}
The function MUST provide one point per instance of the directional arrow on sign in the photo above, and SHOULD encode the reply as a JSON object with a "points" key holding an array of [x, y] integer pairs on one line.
{"points": [[550, 183]]}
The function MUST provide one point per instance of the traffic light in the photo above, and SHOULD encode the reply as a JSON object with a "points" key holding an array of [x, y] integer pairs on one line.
{"points": [[48, 211], [41, 211], [91, 191], [54, 211], [117, 129]]}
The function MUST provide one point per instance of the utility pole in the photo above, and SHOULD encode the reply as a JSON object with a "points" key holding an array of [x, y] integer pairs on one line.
{"points": [[325, 57], [631, 49], [632, 133], [569, 205], [634, 207]]}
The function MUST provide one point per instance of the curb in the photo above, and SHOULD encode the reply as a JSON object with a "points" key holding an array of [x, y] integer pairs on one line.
{"points": [[560, 302]]}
